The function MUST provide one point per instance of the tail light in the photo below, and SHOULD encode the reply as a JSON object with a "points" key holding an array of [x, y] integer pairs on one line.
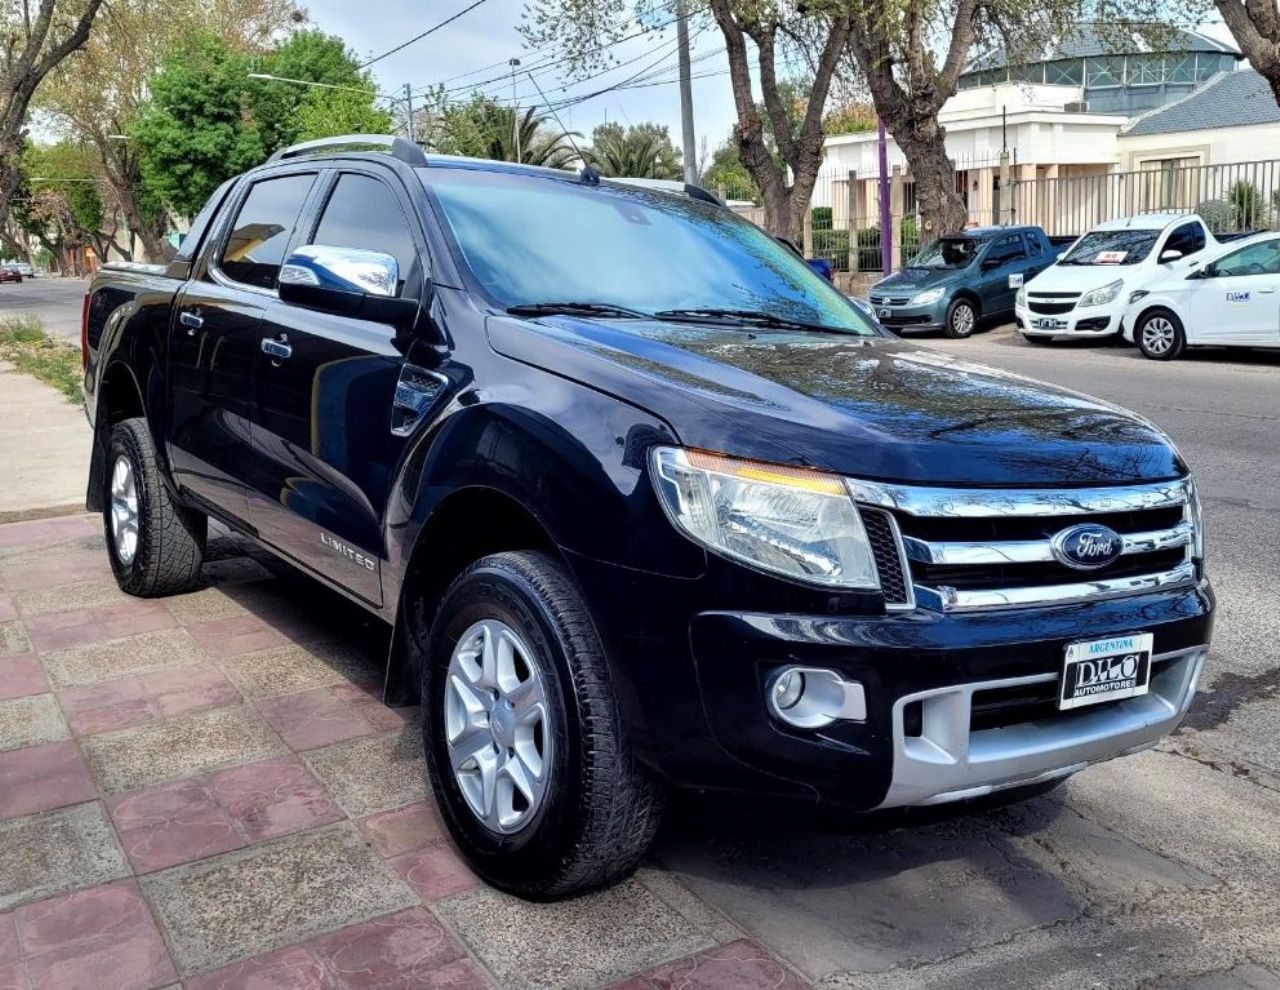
{"points": [[84, 332]]}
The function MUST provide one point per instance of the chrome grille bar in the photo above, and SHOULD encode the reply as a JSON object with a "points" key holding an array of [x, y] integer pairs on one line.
{"points": [[960, 503], [953, 600], [1034, 551]]}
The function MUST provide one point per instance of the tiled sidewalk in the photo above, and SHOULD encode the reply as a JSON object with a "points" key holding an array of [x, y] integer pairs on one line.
{"points": [[207, 788]]}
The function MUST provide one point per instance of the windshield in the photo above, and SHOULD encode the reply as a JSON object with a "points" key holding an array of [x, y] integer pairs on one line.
{"points": [[1111, 247], [531, 241], [947, 252]]}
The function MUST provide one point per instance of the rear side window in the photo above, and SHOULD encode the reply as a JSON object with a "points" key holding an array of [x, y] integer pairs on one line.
{"points": [[363, 213], [1033, 244], [1189, 238], [1008, 248], [260, 235], [1262, 258]]}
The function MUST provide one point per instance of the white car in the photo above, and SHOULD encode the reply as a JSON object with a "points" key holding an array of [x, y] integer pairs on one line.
{"points": [[1233, 298], [1084, 293], [22, 268]]}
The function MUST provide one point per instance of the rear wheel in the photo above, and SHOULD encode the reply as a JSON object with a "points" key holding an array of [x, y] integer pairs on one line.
{"points": [[156, 545], [526, 748], [962, 317], [1160, 335]]}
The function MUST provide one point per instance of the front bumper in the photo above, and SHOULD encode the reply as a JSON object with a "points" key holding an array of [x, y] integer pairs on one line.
{"points": [[1077, 323], [911, 318]]}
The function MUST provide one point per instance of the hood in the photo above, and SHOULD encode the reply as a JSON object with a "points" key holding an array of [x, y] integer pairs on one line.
{"points": [[918, 279], [1082, 278], [873, 407]]}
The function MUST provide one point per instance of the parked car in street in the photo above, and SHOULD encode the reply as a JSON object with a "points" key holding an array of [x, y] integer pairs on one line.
{"points": [[9, 274], [655, 507], [1086, 292], [21, 267], [962, 278], [1232, 299]]}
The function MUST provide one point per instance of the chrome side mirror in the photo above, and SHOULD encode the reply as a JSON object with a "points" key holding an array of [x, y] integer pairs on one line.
{"points": [[370, 273]]}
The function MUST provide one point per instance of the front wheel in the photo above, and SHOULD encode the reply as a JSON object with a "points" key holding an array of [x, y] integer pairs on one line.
{"points": [[528, 756], [962, 317], [156, 545], [1160, 336]]}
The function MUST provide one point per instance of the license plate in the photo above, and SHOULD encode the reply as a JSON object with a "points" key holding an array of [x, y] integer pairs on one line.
{"points": [[885, 313], [1047, 324], [1106, 670]]}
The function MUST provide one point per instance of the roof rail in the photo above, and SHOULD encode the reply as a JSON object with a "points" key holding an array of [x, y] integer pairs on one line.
{"points": [[670, 185], [396, 147]]}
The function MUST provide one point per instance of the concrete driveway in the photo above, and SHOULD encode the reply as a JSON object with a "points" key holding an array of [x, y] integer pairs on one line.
{"points": [[206, 788], [56, 301]]}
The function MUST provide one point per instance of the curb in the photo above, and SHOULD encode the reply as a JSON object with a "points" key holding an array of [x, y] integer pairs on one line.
{"points": [[42, 512]]}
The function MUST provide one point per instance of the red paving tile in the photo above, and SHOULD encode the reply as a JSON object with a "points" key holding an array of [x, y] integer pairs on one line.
{"points": [[21, 676], [409, 949], [403, 830], [314, 718], [367, 700], [124, 618], [173, 824], [131, 700], [64, 569], [8, 939], [39, 778], [435, 872], [84, 938], [273, 798], [45, 532], [294, 968], [7, 610], [13, 976], [736, 966], [235, 635]]}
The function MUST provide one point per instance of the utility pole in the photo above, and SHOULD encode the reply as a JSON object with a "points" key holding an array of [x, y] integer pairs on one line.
{"points": [[886, 216], [515, 111], [408, 111], [686, 93]]}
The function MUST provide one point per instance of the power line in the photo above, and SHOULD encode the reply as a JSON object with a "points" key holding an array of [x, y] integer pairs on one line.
{"points": [[430, 30]]}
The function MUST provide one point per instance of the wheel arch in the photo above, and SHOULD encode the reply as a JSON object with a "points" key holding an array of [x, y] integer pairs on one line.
{"points": [[119, 398], [969, 296]]}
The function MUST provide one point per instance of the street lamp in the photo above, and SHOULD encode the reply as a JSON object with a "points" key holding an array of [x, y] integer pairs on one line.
{"points": [[515, 109]]}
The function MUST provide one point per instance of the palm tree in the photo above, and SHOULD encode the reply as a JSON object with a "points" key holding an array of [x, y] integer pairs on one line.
{"points": [[538, 145], [639, 153]]}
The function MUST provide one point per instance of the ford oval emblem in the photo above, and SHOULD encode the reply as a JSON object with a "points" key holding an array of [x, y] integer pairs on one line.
{"points": [[1087, 547]]}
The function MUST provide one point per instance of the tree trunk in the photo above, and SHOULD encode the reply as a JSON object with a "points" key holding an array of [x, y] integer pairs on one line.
{"points": [[942, 208]]}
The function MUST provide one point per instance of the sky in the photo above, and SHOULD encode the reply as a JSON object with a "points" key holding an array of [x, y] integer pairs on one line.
{"points": [[488, 36]]}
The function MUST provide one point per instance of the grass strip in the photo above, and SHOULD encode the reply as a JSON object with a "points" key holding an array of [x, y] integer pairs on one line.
{"points": [[33, 352]]}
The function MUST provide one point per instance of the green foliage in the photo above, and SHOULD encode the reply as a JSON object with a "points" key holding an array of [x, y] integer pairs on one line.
{"points": [[1251, 209], [24, 343], [484, 128], [58, 198], [1219, 215], [325, 113], [821, 217], [849, 118], [642, 151], [198, 131], [727, 174], [833, 245]]}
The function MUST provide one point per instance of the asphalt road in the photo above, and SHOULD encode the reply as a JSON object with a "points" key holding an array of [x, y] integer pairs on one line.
{"points": [[56, 301]]}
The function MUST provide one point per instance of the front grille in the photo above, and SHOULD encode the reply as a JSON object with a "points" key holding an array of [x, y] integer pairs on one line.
{"points": [[1050, 308], [890, 300], [977, 549], [884, 547]]}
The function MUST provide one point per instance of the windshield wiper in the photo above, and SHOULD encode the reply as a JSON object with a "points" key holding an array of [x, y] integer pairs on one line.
{"points": [[575, 309], [752, 316]]}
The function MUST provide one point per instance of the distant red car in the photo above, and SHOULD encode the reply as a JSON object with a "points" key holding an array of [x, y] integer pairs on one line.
{"points": [[10, 275]]}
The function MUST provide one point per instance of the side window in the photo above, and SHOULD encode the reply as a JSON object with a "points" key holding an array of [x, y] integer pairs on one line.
{"points": [[1256, 259], [1189, 238], [255, 248], [362, 212], [1033, 245], [1008, 248]]}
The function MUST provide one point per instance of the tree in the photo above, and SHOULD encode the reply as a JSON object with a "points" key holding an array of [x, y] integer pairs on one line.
{"points": [[62, 207], [35, 43], [324, 113], [96, 96], [1255, 25], [197, 131], [484, 128], [580, 30], [641, 151], [725, 172]]}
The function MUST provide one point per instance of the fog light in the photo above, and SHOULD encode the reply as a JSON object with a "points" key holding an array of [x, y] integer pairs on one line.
{"points": [[814, 697]]}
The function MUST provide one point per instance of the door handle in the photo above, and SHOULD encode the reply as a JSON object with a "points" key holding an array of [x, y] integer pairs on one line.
{"points": [[191, 320], [1265, 292], [278, 350]]}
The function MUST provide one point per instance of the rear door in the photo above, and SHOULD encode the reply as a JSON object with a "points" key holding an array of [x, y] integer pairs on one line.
{"points": [[324, 437], [213, 343], [1239, 300]]}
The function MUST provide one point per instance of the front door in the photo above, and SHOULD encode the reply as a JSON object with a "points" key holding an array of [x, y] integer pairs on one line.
{"points": [[1002, 259], [1238, 300], [326, 437], [213, 344]]}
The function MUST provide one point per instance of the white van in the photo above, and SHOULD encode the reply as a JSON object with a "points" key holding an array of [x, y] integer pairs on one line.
{"points": [[1084, 293]]}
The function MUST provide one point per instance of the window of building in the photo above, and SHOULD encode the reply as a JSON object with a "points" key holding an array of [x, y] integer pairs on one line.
{"points": [[1146, 70], [362, 212], [1102, 73], [1208, 65], [257, 242], [1180, 68], [1069, 72], [1027, 73]]}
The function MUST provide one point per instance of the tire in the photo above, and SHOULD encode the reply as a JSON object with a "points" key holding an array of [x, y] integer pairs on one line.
{"points": [[598, 807], [1037, 340], [167, 547], [1160, 336], [962, 318]]}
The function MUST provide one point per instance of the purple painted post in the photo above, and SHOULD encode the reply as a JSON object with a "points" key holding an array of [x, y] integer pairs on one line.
{"points": [[886, 220]]}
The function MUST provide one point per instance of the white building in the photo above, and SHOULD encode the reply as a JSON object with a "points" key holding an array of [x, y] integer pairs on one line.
{"points": [[1069, 124]]}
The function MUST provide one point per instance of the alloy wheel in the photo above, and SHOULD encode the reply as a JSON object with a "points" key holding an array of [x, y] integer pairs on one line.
{"points": [[1158, 335], [962, 320], [497, 726], [124, 510]]}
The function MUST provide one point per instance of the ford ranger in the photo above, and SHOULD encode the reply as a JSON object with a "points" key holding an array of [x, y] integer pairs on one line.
{"points": [[645, 501], [958, 280]]}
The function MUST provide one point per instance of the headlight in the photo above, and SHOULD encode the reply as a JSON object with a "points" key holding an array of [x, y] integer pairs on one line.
{"points": [[1100, 297], [1021, 298], [1137, 294], [789, 521], [927, 296]]}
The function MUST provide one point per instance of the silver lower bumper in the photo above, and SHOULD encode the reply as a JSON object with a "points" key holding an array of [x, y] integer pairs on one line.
{"points": [[948, 762]]}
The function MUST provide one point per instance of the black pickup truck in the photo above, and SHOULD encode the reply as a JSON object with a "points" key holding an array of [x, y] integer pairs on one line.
{"points": [[646, 501]]}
